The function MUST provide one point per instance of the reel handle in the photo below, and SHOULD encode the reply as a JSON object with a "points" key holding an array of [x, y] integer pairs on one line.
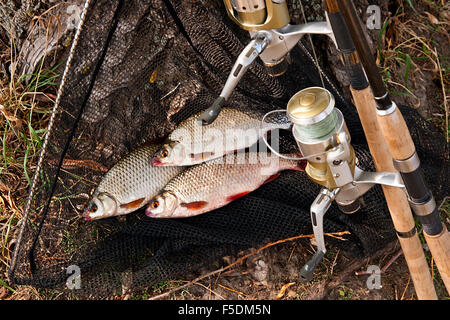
{"points": [[243, 62], [210, 114], [306, 272]]}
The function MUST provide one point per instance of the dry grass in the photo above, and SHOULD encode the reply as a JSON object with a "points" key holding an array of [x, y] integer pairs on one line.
{"points": [[413, 54], [25, 106]]}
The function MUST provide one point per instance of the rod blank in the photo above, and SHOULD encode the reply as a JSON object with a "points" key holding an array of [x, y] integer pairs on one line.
{"points": [[395, 198], [401, 146]]}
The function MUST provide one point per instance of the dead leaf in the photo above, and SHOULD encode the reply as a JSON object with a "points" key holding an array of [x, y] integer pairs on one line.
{"points": [[3, 187], [2, 292], [445, 15], [283, 290], [432, 18], [291, 294], [7, 115]]}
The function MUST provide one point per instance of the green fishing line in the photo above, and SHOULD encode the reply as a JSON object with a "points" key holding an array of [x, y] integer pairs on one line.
{"points": [[320, 129]]}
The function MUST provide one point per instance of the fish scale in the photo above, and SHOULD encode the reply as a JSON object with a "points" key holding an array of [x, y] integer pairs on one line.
{"points": [[215, 183], [133, 178], [233, 130]]}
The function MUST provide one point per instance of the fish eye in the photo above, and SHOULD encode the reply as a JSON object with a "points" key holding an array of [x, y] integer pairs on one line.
{"points": [[94, 208], [155, 204], [165, 153]]}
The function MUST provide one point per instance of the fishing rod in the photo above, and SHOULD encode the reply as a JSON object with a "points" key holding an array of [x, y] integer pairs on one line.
{"points": [[396, 199], [401, 146], [320, 130]]}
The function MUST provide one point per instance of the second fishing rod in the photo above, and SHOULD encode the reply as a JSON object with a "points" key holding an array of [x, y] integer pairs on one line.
{"points": [[380, 147], [401, 146]]}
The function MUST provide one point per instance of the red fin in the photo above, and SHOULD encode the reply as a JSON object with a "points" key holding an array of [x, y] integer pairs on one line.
{"points": [[272, 177], [237, 196], [133, 204], [197, 205]]}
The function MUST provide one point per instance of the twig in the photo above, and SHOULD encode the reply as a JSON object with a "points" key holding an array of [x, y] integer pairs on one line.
{"points": [[232, 290], [337, 237], [283, 290], [404, 291], [170, 92], [334, 262], [432, 268], [386, 266], [443, 202], [163, 295], [87, 164], [391, 261]]}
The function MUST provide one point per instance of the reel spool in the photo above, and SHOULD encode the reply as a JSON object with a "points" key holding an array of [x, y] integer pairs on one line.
{"points": [[318, 127], [256, 15]]}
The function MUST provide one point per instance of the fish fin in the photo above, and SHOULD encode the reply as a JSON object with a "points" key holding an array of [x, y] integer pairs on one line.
{"points": [[196, 205], [201, 156], [272, 177], [237, 196], [133, 204]]}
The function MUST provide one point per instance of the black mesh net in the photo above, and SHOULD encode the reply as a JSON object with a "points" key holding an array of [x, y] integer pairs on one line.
{"points": [[139, 68]]}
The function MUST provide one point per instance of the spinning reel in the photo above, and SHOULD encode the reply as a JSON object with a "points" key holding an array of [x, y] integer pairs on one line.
{"points": [[323, 138], [272, 40]]}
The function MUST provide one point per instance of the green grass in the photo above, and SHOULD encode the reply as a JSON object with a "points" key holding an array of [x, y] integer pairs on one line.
{"points": [[345, 293], [25, 121], [3, 284], [409, 55], [25, 107]]}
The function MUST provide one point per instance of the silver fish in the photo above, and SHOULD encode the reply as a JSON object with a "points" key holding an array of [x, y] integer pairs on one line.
{"points": [[191, 143], [129, 185], [215, 183]]}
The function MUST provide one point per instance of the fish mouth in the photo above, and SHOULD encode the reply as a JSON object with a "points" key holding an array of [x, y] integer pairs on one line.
{"points": [[156, 162], [86, 216], [149, 214]]}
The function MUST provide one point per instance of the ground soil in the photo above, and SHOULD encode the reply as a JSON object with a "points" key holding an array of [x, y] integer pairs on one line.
{"points": [[264, 276]]}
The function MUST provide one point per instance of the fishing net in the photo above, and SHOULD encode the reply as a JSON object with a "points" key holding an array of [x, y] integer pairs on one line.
{"points": [[139, 68]]}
